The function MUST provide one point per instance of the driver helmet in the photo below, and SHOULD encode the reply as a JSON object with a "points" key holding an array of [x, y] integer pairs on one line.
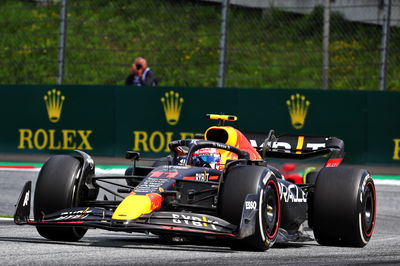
{"points": [[207, 157]]}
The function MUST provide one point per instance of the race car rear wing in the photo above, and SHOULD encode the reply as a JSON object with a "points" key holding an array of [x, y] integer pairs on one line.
{"points": [[298, 147]]}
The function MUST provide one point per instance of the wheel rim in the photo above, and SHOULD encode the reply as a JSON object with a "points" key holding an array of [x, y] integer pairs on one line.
{"points": [[368, 211], [271, 210]]}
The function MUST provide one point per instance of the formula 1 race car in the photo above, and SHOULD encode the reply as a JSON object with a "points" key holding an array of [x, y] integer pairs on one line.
{"points": [[219, 185]]}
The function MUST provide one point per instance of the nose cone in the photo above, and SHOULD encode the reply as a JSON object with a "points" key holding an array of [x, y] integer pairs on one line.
{"points": [[134, 206]]}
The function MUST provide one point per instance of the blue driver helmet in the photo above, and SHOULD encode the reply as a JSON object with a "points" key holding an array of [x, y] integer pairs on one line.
{"points": [[208, 157]]}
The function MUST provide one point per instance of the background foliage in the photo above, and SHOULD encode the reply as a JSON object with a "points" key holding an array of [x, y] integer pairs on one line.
{"points": [[270, 48]]}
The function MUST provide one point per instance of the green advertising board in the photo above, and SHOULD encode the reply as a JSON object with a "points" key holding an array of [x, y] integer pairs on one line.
{"points": [[109, 120]]}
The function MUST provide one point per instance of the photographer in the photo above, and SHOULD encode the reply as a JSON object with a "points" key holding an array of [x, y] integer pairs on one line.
{"points": [[140, 75]]}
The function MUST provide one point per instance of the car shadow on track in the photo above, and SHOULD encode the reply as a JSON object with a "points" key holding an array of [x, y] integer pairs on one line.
{"points": [[142, 241], [295, 245], [150, 243], [155, 242]]}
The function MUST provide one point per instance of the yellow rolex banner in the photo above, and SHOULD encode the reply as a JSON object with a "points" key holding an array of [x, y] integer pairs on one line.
{"points": [[109, 120]]}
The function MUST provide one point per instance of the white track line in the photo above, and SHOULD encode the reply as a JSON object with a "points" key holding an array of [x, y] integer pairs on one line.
{"points": [[115, 171], [387, 182]]}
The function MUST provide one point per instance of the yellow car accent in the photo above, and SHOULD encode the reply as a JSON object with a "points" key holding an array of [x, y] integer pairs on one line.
{"points": [[233, 138], [232, 141], [134, 206], [300, 144], [230, 132], [222, 117], [205, 220]]}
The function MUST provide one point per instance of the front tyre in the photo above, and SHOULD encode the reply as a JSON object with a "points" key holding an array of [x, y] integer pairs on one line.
{"points": [[268, 219], [344, 207], [57, 188], [241, 181]]}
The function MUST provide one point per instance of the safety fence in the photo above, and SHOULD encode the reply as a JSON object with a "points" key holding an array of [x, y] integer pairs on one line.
{"points": [[228, 43]]}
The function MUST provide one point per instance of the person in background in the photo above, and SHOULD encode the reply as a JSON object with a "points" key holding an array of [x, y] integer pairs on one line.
{"points": [[141, 74]]}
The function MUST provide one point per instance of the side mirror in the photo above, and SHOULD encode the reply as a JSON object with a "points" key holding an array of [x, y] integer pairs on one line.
{"points": [[132, 155]]}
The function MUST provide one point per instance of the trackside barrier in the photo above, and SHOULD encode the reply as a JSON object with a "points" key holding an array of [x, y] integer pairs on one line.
{"points": [[108, 120]]}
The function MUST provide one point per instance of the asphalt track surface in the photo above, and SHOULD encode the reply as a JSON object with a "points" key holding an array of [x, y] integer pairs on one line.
{"points": [[20, 245]]}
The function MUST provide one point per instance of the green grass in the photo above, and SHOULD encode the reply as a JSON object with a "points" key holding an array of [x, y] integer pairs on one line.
{"points": [[180, 39], [386, 177]]}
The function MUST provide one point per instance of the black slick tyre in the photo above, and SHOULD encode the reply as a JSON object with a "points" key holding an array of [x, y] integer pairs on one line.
{"points": [[344, 207], [57, 188], [238, 183]]}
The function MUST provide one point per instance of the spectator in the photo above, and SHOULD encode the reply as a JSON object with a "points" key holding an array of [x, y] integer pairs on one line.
{"points": [[141, 74]]}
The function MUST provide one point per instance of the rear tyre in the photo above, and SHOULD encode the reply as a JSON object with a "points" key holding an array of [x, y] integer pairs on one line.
{"points": [[57, 187], [244, 180], [344, 207]]}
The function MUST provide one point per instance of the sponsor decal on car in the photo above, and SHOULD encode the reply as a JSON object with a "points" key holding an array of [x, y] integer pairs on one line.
{"points": [[26, 198], [334, 162], [164, 174], [73, 215], [151, 185], [202, 176], [250, 205], [292, 193], [301, 144], [198, 221]]}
